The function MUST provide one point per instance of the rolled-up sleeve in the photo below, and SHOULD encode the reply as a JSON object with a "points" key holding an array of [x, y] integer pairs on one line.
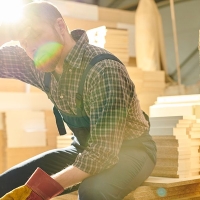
{"points": [[110, 95], [15, 64]]}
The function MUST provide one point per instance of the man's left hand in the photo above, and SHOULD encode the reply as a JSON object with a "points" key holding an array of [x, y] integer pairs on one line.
{"points": [[40, 186]]}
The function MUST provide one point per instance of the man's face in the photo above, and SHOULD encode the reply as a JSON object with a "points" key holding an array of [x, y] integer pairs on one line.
{"points": [[43, 45]]}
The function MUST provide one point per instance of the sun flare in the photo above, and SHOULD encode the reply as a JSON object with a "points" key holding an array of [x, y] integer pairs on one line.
{"points": [[10, 10]]}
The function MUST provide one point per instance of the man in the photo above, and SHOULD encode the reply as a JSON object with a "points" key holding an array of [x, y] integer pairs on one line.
{"points": [[112, 152]]}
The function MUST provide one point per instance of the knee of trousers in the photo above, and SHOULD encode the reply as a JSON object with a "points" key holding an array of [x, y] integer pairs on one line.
{"points": [[91, 191]]}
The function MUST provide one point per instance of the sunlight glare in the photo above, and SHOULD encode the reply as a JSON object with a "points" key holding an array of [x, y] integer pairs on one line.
{"points": [[10, 10]]}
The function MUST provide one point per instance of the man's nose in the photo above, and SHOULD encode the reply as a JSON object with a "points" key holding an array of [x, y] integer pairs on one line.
{"points": [[29, 50]]}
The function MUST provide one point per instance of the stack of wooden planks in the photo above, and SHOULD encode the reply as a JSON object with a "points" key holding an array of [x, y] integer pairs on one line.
{"points": [[2, 143], [175, 127], [13, 153], [148, 85], [178, 144], [64, 140], [114, 40], [181, 105], [51, 129], [28, 130], [11, 85]]}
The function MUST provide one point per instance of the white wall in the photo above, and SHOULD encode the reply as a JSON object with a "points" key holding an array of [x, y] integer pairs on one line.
{"points": [[188, 25]]}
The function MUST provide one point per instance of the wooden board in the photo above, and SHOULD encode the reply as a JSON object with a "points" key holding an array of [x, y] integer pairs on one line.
{"points": [[11, 85], [116, 15], [51, 129], [25, 128], [17, 155], [18, 101], [76, 9]]}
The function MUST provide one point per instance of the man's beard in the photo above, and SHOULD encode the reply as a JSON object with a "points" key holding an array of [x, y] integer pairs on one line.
{"points": [[47, 56]]}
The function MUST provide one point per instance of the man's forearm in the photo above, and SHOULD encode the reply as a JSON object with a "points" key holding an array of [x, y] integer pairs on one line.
{"points": [[70, 176]]}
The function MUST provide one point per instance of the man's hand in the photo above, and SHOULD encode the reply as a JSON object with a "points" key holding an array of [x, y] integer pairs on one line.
{"points": [[40, 186]]}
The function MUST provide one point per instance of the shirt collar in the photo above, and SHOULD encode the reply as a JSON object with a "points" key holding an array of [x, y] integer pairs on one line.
{"points": [[74, 57]]}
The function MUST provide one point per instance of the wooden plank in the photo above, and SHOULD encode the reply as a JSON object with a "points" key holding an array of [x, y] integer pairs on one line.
{"points": [[131, 37], [17, 155], [116, 15], [194, 99], [11, 85], [64, 141], [27, 130], [164, 122], [154, 76], [76, 9], [18, 100], [74, 23], [135, 73], [171, 110], [51, 129]]}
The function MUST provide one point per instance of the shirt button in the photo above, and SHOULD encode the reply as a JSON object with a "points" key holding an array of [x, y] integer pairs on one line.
{"points": [[61, 96]]}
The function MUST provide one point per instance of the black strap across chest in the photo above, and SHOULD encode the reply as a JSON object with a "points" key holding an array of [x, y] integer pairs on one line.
{"points": [[47, 83]]}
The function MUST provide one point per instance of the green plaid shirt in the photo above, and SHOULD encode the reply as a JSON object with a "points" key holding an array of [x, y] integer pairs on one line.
{"points": [[109, 98]]}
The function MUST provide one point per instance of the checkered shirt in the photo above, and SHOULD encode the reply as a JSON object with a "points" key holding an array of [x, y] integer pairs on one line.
{"points": [[109, 98]]}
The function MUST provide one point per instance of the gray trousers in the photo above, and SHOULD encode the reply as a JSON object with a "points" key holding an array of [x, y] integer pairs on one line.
{"points": [[133, 168]]}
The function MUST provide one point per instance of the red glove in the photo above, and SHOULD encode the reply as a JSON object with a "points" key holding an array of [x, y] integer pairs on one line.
{"points": [[40, 186], [43, 186]]}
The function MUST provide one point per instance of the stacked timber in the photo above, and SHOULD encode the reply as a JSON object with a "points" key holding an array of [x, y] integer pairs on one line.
{"points": [[117, 43], [182, 136], [2, 144], [178, 144], [22, 138], [181, 105], [16, 155], [28, 130], [148, 85], [51, 129], [64, 140], [114, 40], [11, 85]]}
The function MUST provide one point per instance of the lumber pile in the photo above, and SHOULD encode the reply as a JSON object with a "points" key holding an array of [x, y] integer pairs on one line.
{"points": [[28, 130], [11, 85], [112, 39], [178, 142], [51, 129], [175, 122], [85, 16], [14, 156], [2, 143], [182, 105], [15, 149], [149, 85], [64, 140]]}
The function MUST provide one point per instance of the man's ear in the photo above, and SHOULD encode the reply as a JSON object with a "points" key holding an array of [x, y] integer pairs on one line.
{"points": [[60, 26]]}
